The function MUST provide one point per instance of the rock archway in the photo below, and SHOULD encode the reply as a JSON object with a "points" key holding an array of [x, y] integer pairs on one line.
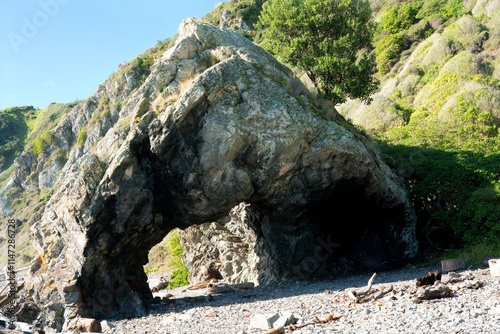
{"points": [[244, 130]]}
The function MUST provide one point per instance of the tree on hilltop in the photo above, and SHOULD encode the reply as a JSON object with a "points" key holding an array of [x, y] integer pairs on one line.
{"points": [[329, 39]]}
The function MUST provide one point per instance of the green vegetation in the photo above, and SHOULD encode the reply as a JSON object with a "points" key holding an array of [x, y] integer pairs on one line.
{"points": [[441, 8], [166, 257], [456, 193], [47, 118], [82, 137], [180, 272], [13, 133], [388, 51], [400, 17], [449, 148], [43, 141], [330, 40]]}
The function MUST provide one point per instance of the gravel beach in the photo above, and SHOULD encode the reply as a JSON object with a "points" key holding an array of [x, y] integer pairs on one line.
{"points": [[327, 307]]}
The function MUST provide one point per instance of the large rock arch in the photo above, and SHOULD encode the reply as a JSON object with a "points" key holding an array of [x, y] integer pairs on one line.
{"points": [[244, 130]]}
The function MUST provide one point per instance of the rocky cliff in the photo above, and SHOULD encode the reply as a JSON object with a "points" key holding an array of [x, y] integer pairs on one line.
{"points": [[216, 131]]}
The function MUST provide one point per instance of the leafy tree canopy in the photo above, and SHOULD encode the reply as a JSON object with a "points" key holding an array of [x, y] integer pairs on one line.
{"points": [[329, 39]]}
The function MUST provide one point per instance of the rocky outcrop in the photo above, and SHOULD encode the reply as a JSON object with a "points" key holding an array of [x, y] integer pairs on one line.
{"points": [[229, 247], [217, 123]]}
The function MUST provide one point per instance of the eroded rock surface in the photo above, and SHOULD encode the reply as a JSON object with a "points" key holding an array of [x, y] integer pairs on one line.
{"points": [[217, 123]]}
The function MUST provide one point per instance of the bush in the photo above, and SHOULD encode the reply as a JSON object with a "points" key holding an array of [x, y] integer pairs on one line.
{"points": [[82, 137], [399, 18], [387, 51], [180, 272], [465, 33], [330, 40], [13, 132], [441, 8], [43, 141], [480, 216], [455, 192]]}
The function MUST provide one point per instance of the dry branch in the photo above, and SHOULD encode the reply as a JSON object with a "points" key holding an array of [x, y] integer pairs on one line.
{"points": [[224, 287], [357, 295], [383, 293], [329, 318]]}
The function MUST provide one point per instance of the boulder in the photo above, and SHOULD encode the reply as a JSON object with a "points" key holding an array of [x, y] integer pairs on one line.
{"points": [[220, 132]]}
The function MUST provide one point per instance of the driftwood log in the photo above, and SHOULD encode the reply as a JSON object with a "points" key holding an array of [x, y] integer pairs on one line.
{"points": [[225, 288], [436, 291], [329, 318], [357, 295], [202, 285]]}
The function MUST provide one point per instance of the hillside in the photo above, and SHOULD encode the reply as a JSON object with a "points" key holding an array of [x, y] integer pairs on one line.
{"points": [[437, 114], [26, 128]]}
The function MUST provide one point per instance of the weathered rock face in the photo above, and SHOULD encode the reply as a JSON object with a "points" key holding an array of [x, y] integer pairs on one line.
{"points": [[236, 128], [230, 246]]}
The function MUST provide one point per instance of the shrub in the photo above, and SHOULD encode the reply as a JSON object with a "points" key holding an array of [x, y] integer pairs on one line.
{"points": [[387, 51], [42, 141], [399, 18], [465, 33], [441, 8], [456, 192], [480, 216], [82, 137], [180, 272]]}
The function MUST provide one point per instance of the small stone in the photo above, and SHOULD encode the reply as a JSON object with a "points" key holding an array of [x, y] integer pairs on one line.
{"points": [[168, 320], [494, 311], [106, 325], [286, 318], [211, 314], [88, 325], [261, 321]]}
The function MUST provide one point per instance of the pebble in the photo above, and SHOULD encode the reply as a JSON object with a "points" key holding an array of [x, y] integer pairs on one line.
{"points": [[325, 307]]}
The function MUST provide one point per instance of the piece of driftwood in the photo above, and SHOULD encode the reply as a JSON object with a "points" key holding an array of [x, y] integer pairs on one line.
{"points": [[329, 318], [225, 288], [202, 285], [452, 264], [384, 292], [357, 295], [428, 279], [433, 292]]}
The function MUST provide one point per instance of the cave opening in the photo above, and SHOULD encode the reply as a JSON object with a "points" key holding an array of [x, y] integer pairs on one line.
{"points": [[352, 227]]}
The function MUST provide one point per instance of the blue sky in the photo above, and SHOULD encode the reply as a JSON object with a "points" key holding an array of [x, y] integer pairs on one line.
{"points": [[61, 50]]}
